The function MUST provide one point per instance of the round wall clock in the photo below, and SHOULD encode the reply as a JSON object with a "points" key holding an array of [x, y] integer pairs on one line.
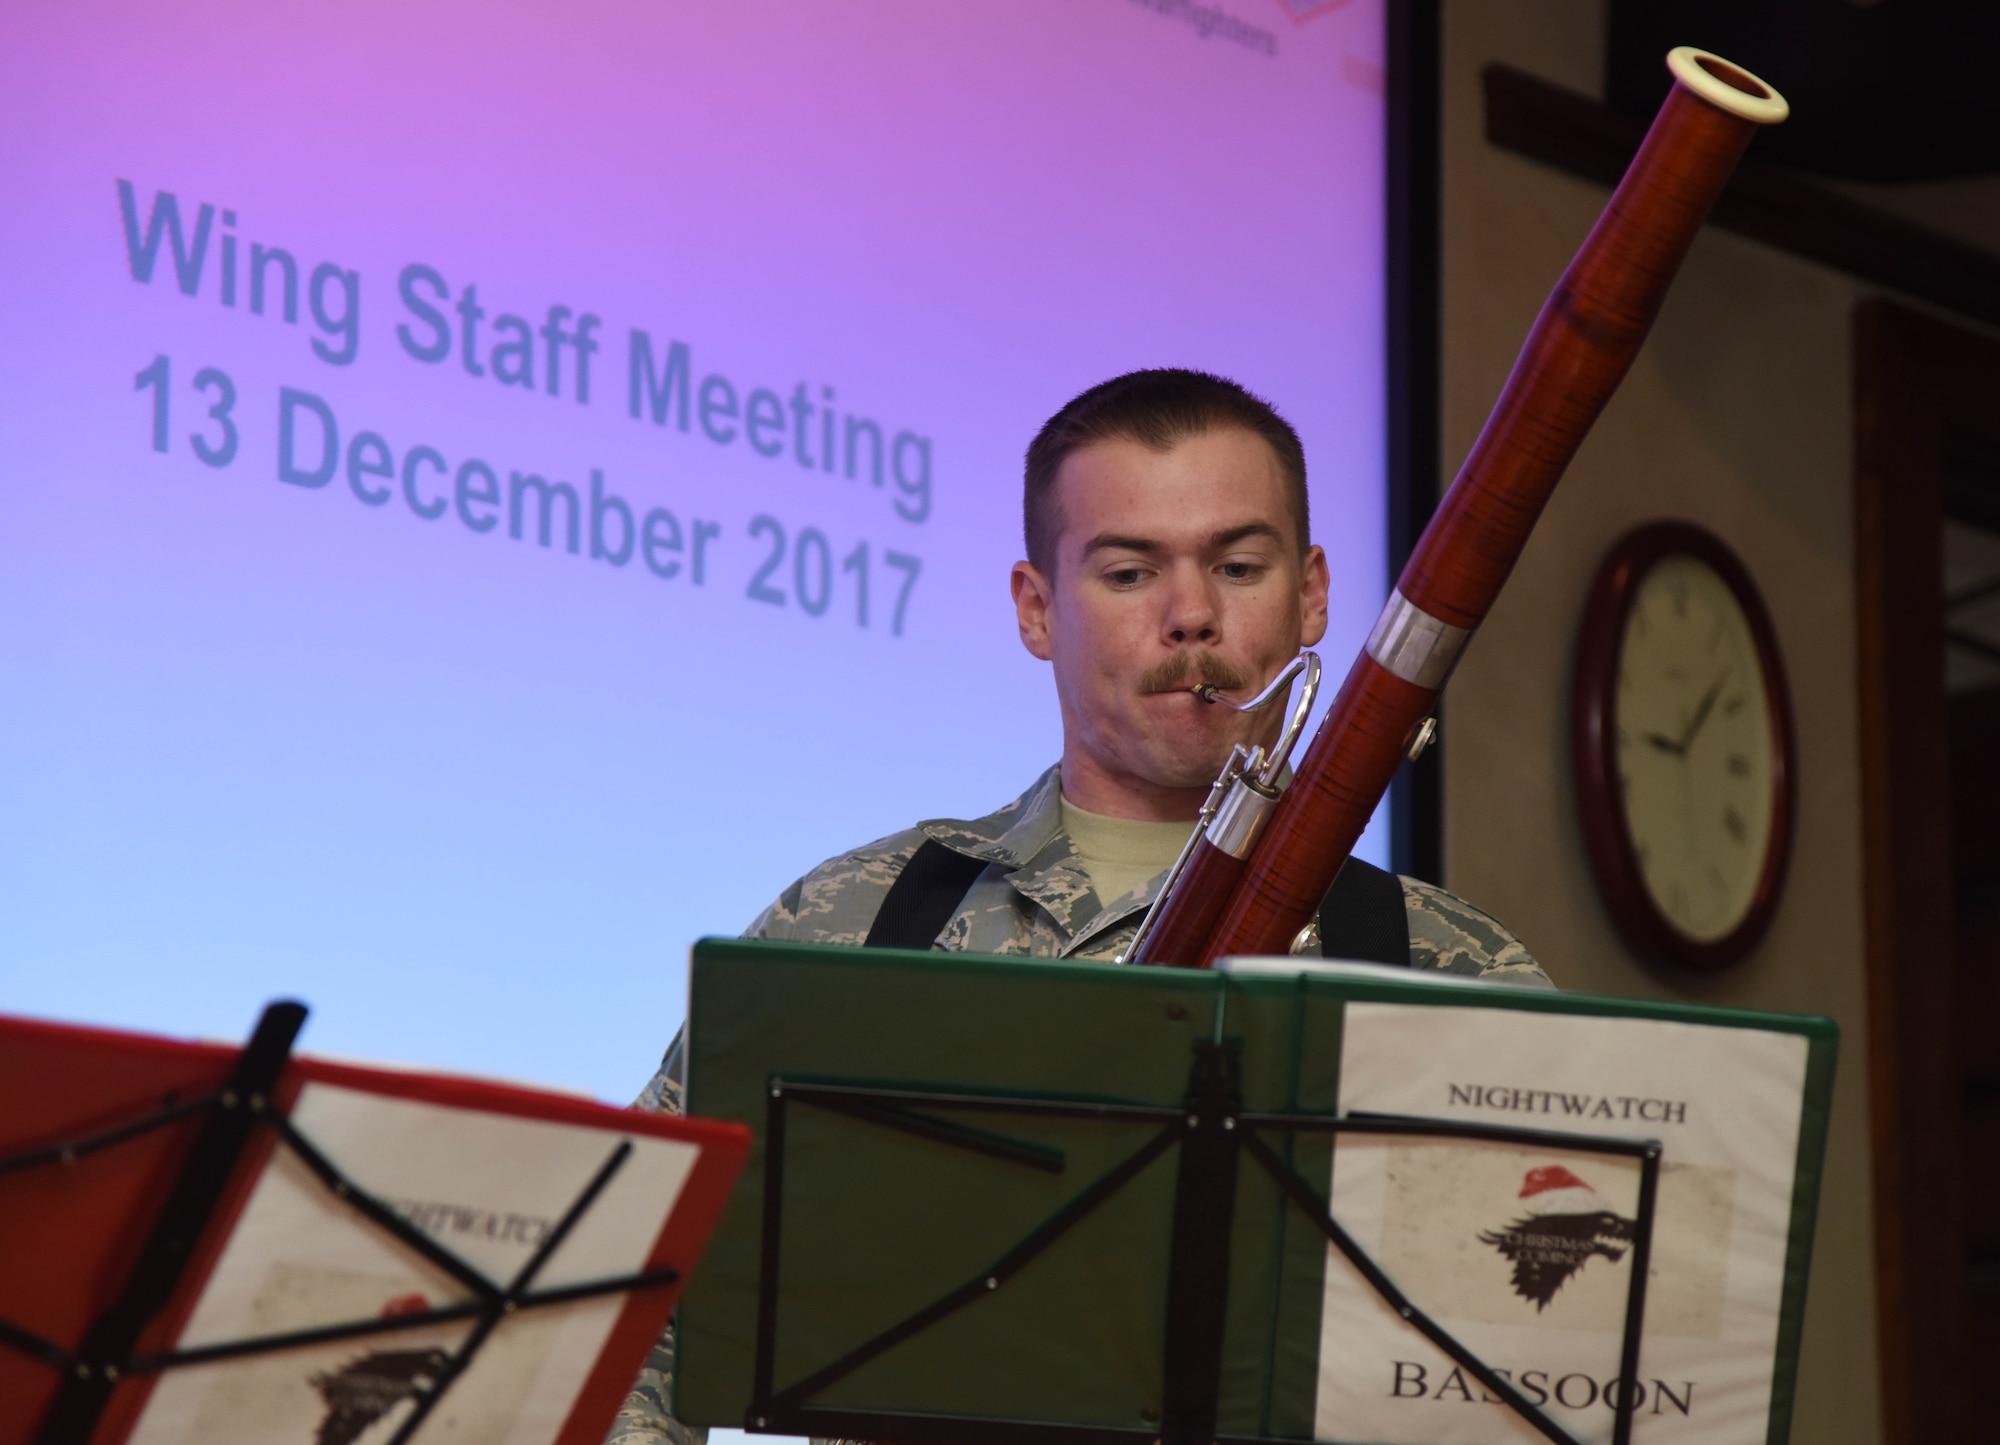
{"points": [[1681, 735]]}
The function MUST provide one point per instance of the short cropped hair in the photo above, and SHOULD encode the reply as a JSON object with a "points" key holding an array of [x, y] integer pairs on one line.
{"points": [[1160, 409]]}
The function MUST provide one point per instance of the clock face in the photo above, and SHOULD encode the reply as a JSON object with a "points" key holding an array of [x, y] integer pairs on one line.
{"points": [[1694, 748]]}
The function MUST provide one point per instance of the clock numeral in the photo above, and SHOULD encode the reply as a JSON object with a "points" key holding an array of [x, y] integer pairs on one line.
{"points": [[1715, 877], [1739, 765], [1733, 821], [1677, 589], [1677, 900]]}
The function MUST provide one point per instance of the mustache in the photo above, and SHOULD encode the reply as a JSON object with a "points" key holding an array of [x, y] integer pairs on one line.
{"points": [[1184, 670]]}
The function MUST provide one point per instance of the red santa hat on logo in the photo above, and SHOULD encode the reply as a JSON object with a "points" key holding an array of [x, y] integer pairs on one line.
{"points": [[1552, 1189]]}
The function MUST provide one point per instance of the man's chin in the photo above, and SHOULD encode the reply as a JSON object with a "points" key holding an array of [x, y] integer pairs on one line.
{"points": [[1187, 770], [1183, 752]]}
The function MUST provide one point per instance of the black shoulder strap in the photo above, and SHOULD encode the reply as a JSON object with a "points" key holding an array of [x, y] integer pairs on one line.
{"points": [[1362, 916], [923, 898]]}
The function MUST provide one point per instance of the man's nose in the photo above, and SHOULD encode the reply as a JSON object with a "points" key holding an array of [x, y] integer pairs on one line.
{"points": [[1191, 613]]}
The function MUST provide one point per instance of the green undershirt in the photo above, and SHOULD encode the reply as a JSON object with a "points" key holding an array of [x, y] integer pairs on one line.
{"points": [[1120, 854]]}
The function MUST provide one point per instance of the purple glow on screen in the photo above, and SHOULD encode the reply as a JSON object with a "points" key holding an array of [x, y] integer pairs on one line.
{"points": [[271, 729]]}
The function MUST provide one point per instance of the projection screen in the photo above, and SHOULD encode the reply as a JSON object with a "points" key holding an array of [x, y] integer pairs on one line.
{"points": [[497, 491]]}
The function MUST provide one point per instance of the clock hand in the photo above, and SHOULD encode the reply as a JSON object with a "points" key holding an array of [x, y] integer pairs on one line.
{"points": [[1701, 712], [1665, 744]]}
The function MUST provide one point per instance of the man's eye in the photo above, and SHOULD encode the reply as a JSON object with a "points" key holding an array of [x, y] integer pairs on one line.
{"points": [[1241, 571], [1125, 577]]}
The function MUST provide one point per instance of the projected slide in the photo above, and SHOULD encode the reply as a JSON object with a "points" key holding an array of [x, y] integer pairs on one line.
{"points": [[494, 492]]}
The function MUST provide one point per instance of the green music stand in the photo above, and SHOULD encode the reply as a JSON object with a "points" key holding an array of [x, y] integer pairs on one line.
{"points": [[1006, 1198]]}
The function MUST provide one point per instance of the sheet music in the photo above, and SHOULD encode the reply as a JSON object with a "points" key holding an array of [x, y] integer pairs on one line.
{"points": [[1524, 1254], [487, 1186]]}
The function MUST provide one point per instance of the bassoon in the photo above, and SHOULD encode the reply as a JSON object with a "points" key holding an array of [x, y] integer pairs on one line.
{"points": [[1264, 855]]}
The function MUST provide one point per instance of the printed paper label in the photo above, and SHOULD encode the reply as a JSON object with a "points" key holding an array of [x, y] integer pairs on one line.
{"points": [[1525, 1253], [488, 1187]]}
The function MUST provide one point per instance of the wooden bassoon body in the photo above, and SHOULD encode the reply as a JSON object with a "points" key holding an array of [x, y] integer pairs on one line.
{"points": [[1252, 895]]}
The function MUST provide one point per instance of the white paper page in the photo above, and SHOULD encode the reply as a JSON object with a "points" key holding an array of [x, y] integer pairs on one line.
{"points": [[1524, 1253], [486, 1186]]}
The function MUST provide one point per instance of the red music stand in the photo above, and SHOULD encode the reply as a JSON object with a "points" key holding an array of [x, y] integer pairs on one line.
{"points": [[152, 1190]]}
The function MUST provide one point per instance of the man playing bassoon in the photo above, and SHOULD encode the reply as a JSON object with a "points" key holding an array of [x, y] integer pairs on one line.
{"points": [[1168, 546]]}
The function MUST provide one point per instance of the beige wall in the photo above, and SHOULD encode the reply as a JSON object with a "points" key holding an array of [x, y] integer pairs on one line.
{"points": [[1736, 416]]}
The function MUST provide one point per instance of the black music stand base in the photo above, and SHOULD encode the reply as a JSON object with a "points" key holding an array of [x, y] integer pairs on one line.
{"points": [[1213, 1132]]}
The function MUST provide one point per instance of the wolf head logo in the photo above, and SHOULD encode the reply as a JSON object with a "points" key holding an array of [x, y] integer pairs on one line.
{"points": [[370, 1385], [1566, 1223]]}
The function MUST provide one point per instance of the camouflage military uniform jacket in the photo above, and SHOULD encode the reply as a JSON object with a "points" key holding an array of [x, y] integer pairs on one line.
{"points": [[1035, 899]]}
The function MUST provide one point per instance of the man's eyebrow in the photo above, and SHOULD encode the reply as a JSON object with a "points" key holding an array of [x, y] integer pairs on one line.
{"points": [[1230, 536], [1145, 546], [1113, 541]]}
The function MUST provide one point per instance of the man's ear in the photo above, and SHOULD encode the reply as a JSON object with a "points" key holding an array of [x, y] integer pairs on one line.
{"points": [[1312, 597], [1033, 595]]}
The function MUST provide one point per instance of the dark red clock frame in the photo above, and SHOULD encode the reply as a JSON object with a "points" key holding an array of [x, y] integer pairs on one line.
{"points": [[1594, 746]]}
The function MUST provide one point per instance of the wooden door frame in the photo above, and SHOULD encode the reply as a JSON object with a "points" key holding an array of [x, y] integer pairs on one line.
{"points": [[1915, 377]]}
